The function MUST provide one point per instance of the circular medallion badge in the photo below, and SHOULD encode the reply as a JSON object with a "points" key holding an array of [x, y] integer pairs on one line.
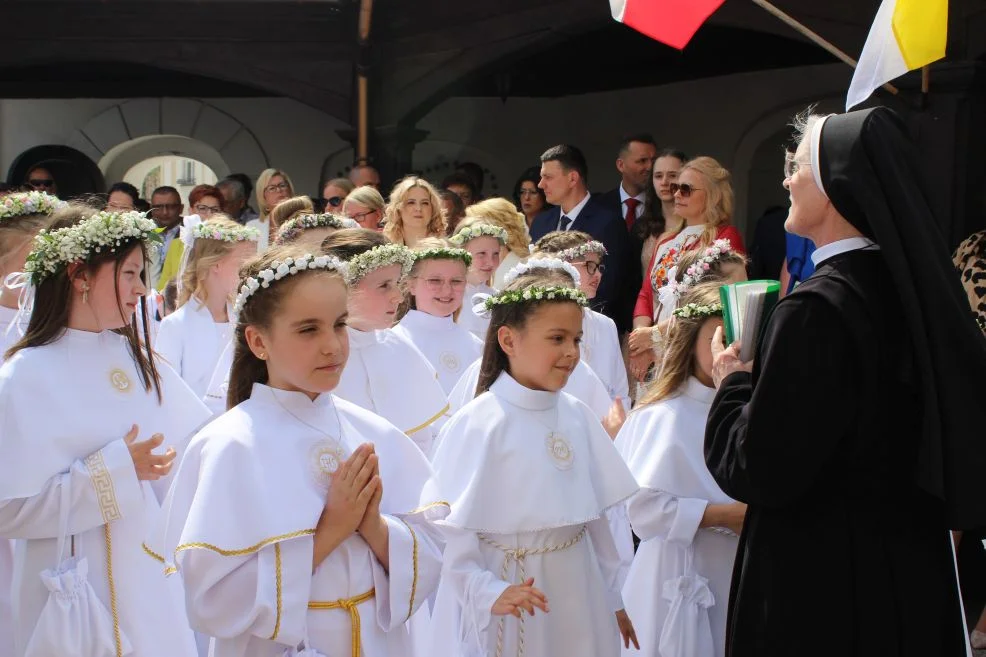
{"points": [[120, 380], [560, 451], [450, 361], [325, 458]]}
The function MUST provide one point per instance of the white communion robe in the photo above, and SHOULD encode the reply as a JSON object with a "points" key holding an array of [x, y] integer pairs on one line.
{"points": [[449, 347], [249, 584], [9, 334], [192, 342], [583, 384], [215, 393], [475, 324], [64, 410], [387, 375], [529, 475], [601, 351], [663, 444]]}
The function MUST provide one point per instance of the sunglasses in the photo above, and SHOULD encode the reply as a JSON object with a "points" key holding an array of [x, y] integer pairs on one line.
{"points": [[685, 189], [41, 182], [334, 201]]}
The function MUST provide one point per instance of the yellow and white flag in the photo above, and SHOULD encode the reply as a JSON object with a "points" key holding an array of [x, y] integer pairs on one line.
{"points": [[906, 34]]}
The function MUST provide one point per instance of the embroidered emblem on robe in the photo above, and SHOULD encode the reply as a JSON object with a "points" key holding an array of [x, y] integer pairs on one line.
{"points": [[120, 380], [560, 451]]}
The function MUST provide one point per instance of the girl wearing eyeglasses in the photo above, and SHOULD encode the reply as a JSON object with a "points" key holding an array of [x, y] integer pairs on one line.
{"points": [[435, 289], [703, 210]]}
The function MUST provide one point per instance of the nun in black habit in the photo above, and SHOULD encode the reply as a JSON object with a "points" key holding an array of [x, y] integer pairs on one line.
{"points": [[856, 435]]}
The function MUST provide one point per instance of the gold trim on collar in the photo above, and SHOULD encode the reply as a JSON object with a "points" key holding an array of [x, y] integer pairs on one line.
{"points": [[429, 422]]}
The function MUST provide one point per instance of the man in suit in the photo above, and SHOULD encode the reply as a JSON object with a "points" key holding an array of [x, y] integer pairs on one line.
{"points": [[634, 161], [564, 176]]}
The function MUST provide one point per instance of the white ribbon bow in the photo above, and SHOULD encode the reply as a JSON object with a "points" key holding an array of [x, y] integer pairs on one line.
{"points": [[669, 294], [479, 304], [21, 280], [187, 232]]}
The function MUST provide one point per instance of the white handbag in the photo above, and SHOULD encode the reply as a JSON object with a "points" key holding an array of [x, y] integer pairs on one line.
{"points": [[73, 621], [687, 631]]}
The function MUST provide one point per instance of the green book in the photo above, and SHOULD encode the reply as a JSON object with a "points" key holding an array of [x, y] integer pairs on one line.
{"points": [[745, 308]]}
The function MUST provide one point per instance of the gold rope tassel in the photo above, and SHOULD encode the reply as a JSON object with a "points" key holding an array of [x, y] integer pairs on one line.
{"points": [[519, 555], [117, 641], [350, 605]]}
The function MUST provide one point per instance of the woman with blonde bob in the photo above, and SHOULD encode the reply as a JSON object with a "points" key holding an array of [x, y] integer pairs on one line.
{"points": [[504, 214], [365, 206], [193, 337], [414, 212], [273, 186]]}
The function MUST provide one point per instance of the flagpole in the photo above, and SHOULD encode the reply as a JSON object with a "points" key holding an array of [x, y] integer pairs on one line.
{"points": [[814, 37]]}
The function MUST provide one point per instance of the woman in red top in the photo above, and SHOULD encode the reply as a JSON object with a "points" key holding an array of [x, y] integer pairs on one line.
{"points": [[703, 203]]}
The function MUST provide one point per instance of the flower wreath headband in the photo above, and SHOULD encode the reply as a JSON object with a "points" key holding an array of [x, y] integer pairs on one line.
{"points": [[291, 229], [694, 310], [56, 249], [541, 263], [193, 228], [670, 293], [581, 251], [470, 233], [483, 304], [20, 204], [279, 270], [379, 256], [443, 253]]}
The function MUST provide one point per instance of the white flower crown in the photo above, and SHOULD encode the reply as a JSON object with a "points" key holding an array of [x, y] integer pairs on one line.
{"points": [[695, 310], [541, 263], [207, 230], [380, 256], [700, 267], [582, 250], [279, 270], [534, 294], [55, 249], [443, 253], [291, 229], [470, 233], [19, 204]]}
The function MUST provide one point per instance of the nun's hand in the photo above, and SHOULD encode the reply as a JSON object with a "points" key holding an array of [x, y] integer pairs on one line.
{"points": [[725, 360]]}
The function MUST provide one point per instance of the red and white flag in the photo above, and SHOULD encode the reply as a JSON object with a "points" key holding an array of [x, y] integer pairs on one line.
{"points": [[673, 22]]}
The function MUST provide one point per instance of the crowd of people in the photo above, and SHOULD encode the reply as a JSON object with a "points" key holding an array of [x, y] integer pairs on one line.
{"points": [[256, 423]]}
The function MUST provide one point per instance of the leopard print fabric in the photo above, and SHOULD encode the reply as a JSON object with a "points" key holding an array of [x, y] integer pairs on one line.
{"points": [[970, 260]]}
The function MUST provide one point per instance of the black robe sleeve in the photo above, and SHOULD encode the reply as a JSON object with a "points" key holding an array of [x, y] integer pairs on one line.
{"points": [[769, 435]]}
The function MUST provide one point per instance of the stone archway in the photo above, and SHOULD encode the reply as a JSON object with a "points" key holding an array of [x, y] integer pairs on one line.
{"points": [[123, 135], [75, 173]]}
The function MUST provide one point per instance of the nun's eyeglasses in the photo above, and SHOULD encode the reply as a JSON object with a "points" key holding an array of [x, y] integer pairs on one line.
{"points": [[791, 165], [683, 188]]}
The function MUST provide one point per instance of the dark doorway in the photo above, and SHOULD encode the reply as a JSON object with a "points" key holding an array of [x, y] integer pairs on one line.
{"points": [[75, 173]]}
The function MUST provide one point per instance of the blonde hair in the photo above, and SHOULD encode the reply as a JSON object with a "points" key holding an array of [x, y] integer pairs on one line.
{"points": [[342, 183], [204, 254], [262, 181], [290, 208], [16, 231], [678, 361], [394, 230], [366, 196], [719, 199], [503, 213]]}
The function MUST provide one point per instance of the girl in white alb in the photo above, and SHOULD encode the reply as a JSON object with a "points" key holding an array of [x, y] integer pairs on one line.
{"points": [[435, 287], [680, 577], [485, 242], [22, 215], [193, 337], [600, 339], [385, 373], [530, 566], [79, 478], [335, 547]]}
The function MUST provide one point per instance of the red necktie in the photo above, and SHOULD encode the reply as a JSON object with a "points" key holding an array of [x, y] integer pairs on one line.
{"points": [[631, 215]]}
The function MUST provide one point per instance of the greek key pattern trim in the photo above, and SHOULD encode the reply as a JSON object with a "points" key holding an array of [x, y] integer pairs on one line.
{"points": [[99, 475]]}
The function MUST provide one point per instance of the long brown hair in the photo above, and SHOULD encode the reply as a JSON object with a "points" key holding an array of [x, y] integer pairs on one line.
{"points": [[514, 315], [53, 300], [678, 361], [259, 311], [348, 243]]}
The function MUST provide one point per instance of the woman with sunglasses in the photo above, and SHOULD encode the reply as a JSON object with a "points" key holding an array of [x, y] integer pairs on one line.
{"points": [[365, 206], [334, 194], [703, 209], [273, 186]]}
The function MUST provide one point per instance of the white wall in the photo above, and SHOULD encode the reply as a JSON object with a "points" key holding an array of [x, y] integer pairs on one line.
{"points": [[295, 137], [726, 117]]}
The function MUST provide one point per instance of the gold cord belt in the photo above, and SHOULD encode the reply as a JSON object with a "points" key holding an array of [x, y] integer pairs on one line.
{"points": [[518, 555], [350, 605]]}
